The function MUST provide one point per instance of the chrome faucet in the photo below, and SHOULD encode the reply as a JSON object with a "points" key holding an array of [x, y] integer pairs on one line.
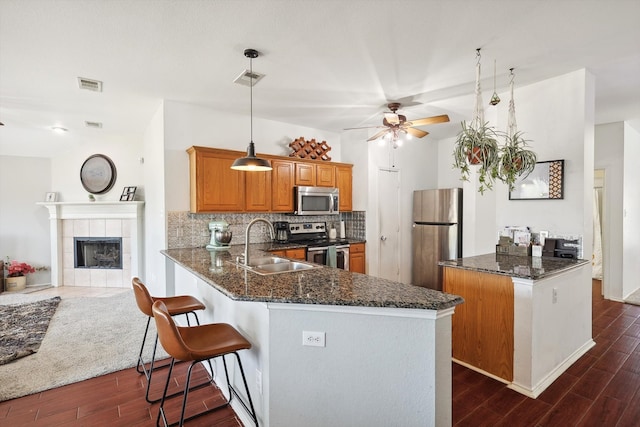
{"points": [[272, 233]]}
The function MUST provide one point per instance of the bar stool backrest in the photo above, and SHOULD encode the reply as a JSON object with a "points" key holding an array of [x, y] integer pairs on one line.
{"points": [[143, 298], [168, 333]]}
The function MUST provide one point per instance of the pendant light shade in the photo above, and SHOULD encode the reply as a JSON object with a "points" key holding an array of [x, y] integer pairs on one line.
{"points": [[251, 163]]}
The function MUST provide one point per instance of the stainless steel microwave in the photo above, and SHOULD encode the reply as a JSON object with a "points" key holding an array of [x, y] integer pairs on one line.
{"points": [[316, 201]]}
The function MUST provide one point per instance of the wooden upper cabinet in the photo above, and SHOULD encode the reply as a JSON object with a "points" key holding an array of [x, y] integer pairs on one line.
{"points": [[325, 175], [282, 183], [214, 186], [344, 182], [258, 191], [305, 174]]}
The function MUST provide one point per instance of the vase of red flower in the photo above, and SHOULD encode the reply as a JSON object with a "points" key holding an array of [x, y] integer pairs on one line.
{"points": [[17, 277]]}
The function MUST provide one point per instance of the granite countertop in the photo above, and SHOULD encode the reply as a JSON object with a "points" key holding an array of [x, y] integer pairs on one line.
{"points": [[525, 267], [324, 285]]}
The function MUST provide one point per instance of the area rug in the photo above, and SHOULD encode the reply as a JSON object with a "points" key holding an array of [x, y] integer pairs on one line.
{"points": [[87, 337], [634, 298], [23, 326]]}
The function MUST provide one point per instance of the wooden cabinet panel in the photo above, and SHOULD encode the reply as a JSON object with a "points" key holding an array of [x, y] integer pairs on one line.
{"points": [[482, 327], [305, 174], [258, 191], [357, 258], [344, 182], [282, 183], [298, 253], [325, 175], [214, 186]]}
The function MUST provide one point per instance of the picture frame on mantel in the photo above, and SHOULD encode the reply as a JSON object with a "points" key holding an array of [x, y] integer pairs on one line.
{"points": [[128, 194], [546, 182], [51, 197]]}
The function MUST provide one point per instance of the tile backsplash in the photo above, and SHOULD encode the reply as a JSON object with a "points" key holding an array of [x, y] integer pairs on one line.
{"points": [[189, 230]]}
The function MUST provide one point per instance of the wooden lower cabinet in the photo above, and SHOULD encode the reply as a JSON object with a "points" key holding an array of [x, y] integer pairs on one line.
{"points": [[357, 258], [482, 327], [298, 253]]}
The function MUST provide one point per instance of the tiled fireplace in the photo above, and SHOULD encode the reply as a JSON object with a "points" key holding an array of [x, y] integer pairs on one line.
{"points": [[97, 244]]}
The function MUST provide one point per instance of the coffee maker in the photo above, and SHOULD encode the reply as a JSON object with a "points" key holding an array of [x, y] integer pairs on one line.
{"points": [[282, 231]]}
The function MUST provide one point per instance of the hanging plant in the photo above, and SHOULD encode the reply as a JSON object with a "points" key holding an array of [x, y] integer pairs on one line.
{"points": [[516, 160], [477, 144]]}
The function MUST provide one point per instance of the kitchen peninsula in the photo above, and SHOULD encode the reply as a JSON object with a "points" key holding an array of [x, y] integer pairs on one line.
{"points": [[381, 353], [525, 320]]}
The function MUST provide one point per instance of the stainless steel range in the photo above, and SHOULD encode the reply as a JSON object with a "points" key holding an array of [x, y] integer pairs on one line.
{"points": [[314, 236]]}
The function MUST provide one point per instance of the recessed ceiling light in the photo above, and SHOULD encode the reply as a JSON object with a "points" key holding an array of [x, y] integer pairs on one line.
{"points": [[59, 129]]}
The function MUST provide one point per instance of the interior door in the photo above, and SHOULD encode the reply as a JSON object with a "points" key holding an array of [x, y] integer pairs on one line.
{"points": [[389, 224]]}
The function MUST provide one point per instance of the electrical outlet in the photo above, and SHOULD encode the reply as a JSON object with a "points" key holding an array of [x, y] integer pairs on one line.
{"points": [[259, 381], [555, 295], [314, 339], [179, 232]]}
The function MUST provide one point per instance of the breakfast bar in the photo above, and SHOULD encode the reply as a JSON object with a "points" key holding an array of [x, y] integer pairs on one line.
{"points": [[329, 347]]}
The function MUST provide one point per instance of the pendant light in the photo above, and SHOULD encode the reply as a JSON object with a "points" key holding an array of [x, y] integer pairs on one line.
{"points": [[251, 163]]}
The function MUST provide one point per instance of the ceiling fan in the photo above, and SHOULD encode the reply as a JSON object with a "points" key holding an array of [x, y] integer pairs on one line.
{"points": [[394, 124]]}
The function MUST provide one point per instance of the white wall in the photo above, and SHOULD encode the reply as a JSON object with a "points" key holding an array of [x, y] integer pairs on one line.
{"points": [[155, 228], [557, 116], [609, 155], [631, 212], [24, 226]]}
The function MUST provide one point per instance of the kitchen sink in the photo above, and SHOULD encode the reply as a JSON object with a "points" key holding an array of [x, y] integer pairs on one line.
{"points": [[275, 265]]}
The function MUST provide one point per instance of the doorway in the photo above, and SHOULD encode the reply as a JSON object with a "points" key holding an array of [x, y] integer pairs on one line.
{"points": [[389, 224]]}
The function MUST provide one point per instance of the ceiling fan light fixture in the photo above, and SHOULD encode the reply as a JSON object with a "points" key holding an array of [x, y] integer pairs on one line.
{"points": [[251, 163]]}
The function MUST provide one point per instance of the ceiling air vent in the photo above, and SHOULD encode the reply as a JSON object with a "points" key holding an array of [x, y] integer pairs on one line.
{"points": [[247, 77], [94, 125], [90, 84]]}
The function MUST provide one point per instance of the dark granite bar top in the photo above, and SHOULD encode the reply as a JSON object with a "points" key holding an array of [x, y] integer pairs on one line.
{"points": [[323, 286], [525, 267]]}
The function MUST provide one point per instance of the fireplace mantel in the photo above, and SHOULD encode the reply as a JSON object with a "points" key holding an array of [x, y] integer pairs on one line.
{"points": [[107, 210], [89, 210]]}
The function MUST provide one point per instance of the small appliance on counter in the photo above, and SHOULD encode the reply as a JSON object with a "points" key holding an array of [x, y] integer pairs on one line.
{"points": [[282, 231], [220, 235]]}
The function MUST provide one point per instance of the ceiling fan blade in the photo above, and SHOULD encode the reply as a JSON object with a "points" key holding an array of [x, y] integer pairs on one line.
{"points": [[365, 127], [378, 135], [430, 120], [392, 118], [417, 132]]}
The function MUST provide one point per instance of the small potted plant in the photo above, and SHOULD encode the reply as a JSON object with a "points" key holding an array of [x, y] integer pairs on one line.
{"points": [[477, 144], [17, 278], [515, 159]]}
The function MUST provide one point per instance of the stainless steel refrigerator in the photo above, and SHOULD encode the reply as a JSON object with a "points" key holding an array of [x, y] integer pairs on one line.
{"points": [[437, 233]]}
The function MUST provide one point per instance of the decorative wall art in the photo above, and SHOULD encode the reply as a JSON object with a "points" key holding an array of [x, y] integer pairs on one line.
{"points": [[98, 174], [128, 194], [545, 182], [51, 197]]}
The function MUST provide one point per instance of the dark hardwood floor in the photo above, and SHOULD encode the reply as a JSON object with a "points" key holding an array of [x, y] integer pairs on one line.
{"points": [[117, 399], [600, 389]]}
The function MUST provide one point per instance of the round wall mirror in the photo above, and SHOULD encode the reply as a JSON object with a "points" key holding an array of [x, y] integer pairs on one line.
{"points": [[98, 174]]}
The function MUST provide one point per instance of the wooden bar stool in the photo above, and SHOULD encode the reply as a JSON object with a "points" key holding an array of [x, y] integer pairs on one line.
{"points": [[182, 304], [196, 344]]}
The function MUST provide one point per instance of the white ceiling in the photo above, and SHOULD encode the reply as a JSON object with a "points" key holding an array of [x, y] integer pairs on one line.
{"points": [[328, 64]]}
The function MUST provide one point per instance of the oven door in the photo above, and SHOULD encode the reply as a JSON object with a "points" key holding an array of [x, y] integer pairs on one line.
{"points": [[319, 256]]}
